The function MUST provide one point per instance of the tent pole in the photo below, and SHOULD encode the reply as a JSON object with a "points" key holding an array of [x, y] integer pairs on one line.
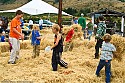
{"points": [[60, 14]]}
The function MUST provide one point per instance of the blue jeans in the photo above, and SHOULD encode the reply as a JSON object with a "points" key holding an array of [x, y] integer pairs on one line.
{"points": [[107, 65], [90, 34], [40, 27]]}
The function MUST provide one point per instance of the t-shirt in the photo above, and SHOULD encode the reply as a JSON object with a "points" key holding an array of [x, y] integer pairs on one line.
{"points": [[34, 40], [40, 22], [82, 22], [59, 47], [30, 22], [69, 35], [101, 30], [107, 49], [2, 38], [15, 24]]}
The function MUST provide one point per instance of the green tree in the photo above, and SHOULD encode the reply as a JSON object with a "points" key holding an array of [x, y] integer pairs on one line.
{"points": [[71, 11]]}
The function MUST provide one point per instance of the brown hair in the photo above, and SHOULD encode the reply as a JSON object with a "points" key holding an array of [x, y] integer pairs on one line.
{"points": [[36, 27], [19, 12], [56, 26], [107, 38]]}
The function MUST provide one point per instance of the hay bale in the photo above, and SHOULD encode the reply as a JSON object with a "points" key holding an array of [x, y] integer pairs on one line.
{"points": [[44, 31], [119, 42], [77, 27], [44, 43], [65, 30], [25, 44], [91, 44], [4, 47]]}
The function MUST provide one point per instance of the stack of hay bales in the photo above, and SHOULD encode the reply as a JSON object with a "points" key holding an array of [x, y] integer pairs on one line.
{"points": [[119, 42]]}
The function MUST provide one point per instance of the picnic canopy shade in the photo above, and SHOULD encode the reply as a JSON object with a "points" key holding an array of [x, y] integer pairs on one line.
{"points": [[36, 7]]}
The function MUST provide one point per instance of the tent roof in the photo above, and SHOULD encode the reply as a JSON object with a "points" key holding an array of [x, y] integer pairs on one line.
{"points": [[108, 12], [36, 7]]}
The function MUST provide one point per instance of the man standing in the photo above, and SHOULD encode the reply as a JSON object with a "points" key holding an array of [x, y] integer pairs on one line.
{"points": [[30, 24], [14, 36], [82, 22], [40, 23], [1, 23]]}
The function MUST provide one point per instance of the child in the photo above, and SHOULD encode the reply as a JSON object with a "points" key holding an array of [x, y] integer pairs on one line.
{"points": [[106, 57], [68, 40], [3, 36], [57, 48], [35, 41], [101, 30]]}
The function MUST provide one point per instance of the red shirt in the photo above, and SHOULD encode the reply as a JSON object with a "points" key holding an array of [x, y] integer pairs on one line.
{"points": [[69, 35]]}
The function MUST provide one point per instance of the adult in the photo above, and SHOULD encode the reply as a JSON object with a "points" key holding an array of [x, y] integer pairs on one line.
{"points": [[1, 23], [101, 30], [90, 29], [82, 22], [14, 36], [30, 24], [74, 20], [40, 23], [22, 22]]}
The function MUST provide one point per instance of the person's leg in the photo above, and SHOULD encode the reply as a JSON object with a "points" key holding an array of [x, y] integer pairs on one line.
{"points": [[98, 45], [97, 49], [34, 51], [37, 50], [108, 71], [54, 61], [100, 66], [18, 49], [61, 62], [90, 34], [66, 47], [13, 42], [71, 46], [40, 27]]}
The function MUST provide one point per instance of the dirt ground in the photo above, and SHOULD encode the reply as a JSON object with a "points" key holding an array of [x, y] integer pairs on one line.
{"points": [[81, 68]]}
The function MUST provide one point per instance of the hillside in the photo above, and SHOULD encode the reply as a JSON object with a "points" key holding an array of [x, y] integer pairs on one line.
{"points": [[93, 5]]}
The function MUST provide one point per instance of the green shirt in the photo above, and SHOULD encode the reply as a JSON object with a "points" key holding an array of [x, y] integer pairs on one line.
{"points": [[82, 22], [90, 26]]}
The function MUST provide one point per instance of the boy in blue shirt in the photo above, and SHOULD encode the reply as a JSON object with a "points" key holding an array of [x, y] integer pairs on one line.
{"points": [[106, 57], [35, 41]]}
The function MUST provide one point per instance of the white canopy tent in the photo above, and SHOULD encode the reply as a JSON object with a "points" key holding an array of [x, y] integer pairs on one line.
{"points": [[36, 7]]}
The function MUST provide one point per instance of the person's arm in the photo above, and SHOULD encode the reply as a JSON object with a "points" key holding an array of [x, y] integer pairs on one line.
{"points": [[15, 31], [57, 41], [110, 49], [38, 36]]}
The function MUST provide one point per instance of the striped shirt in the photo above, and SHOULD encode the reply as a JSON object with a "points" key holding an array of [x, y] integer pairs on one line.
{"points": [[107, 51]]}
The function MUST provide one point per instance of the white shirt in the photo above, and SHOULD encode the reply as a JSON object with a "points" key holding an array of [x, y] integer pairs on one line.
{"points": [[40, 22], [30, 22], [0, 23]]}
